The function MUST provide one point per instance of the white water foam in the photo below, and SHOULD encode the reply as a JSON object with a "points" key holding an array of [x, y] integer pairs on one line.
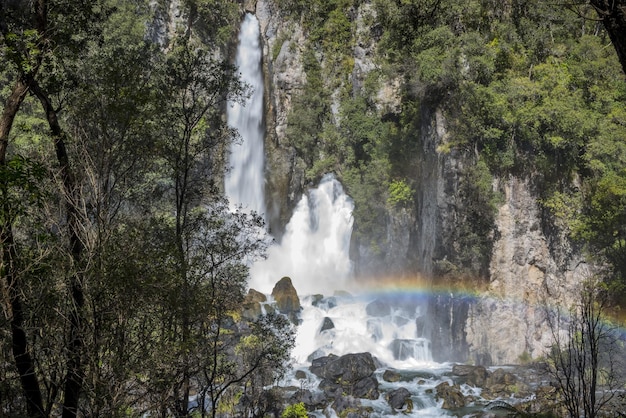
{"points": [[393, 338], [314, 251]]}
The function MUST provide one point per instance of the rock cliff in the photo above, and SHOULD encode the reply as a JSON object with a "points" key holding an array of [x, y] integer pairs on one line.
{"points": [[522, 263], [528, 272]]}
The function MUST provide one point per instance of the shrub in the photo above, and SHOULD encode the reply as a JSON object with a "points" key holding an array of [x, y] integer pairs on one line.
{"points": [[295, 411]]}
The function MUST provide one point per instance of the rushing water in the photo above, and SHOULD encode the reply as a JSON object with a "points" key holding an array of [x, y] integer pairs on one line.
{"points": [[314, 251], [245, 183]]}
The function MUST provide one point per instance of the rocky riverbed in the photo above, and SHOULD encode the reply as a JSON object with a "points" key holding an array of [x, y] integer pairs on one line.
{"points": [[369, 357], [357, 385]]}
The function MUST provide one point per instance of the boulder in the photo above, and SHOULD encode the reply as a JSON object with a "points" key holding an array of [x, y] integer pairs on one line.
{"points": [[451, 396], [287, 300], [475, 375], [311, 400], [478, 377], [319, 301], [327, 324], [462, 369], [351, 373], [378, 308], [501, 377], [366, 388], [348, 369], [398, 399], [330, 388], [344, 404], [391, 376], [251, 305]]}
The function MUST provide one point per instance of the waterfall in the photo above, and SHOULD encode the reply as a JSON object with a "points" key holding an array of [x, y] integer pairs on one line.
{"points": [[314, 250], [245, 184]]}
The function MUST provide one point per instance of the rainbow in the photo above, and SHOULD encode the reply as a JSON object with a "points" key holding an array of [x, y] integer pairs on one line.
{"points": [[422, 288]]}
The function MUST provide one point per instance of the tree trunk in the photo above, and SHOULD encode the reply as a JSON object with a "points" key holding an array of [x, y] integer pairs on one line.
{"points": [[613, 16], [74, 373], [23, 360]]}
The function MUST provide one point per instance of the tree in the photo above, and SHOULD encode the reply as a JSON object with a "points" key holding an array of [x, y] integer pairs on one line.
{"points": [[613, 16], [586, 360], [30, 33], [118, 280]]}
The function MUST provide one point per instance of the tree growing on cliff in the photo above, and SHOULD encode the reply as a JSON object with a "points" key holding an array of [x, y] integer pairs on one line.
{"points": [[586, 361]]}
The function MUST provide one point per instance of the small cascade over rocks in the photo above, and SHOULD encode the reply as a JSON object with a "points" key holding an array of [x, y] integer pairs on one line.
{"points": [[344, 324]]}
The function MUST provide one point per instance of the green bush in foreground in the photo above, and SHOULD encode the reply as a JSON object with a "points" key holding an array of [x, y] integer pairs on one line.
{"points": [[295, 411]]}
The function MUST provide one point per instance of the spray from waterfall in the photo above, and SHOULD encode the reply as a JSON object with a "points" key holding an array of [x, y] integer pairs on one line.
{"points": [[314, 250]]}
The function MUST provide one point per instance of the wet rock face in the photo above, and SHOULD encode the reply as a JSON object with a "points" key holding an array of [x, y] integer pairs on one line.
{"points": [[451, 395], [528, 268], [287, 300], [448, 327], [398, 399]]}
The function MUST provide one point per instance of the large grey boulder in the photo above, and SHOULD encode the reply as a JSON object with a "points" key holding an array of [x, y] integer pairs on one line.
{"points": [[399, 399], [349, 374], [349, 368], [286, 298]]}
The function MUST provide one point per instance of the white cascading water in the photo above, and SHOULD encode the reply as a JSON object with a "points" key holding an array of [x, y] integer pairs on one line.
{"points": [[314, 253], [245, 184]]}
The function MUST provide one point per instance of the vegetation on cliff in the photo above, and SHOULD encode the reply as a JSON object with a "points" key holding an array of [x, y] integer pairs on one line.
{"points": [[527, 88]]}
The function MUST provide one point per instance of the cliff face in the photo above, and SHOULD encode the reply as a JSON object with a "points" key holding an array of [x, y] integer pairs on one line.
{"points": [[526, 268], [284, 79], [528, 272]]}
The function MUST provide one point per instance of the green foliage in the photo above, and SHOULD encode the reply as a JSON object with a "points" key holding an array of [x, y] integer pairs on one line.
{"points": [[472, 237], [133, 224], [295, 411], [400, 193], [531, 90], [525, 358], [21, 182]]}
